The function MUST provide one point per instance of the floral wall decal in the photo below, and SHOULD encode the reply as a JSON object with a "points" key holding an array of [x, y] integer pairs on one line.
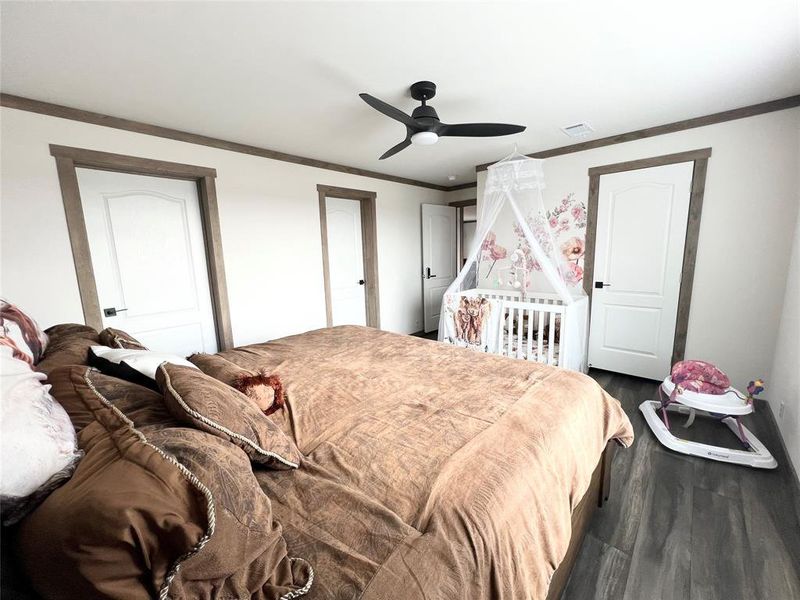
{"points": [[573, 250], [567, 223], [491, 250], [560, 231]]}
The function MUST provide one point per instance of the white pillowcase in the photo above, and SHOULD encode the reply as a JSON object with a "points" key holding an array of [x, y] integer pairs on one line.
{"points": [[144, 361], [37, 439]]}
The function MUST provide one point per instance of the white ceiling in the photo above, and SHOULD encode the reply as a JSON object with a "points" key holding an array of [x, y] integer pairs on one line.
{"points": [[285, 76]]}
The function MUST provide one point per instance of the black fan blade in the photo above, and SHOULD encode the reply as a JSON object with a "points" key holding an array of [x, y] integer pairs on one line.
{"points": [[395, 149], [479, 129], [390, 111]]}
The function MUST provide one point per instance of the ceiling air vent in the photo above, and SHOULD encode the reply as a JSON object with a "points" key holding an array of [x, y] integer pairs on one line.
{"points": [[579, 130]]}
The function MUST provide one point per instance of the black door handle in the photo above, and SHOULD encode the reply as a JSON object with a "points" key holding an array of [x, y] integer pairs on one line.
{"points": [[428, 273], [361, 282], [112, 312], [600, 284]]}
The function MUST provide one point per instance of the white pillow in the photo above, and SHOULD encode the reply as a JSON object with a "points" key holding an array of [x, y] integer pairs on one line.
{"points": [[144, 361], [37, 439]]}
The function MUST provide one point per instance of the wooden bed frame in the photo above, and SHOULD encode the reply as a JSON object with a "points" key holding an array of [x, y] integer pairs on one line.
{"points": [[595, 497]]}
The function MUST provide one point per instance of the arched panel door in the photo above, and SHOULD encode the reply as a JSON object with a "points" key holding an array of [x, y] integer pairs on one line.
{"points": [[148, 256], [641, 232]]}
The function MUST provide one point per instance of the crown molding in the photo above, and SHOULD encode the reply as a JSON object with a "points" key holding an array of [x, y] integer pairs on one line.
{"points": [[712, 119], [85, 116]]}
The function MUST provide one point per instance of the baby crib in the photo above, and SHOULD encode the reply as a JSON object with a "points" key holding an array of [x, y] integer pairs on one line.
{"points": [[539, 327]]}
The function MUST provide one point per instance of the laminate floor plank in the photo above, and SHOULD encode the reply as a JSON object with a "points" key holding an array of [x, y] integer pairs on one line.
{"points": [[602, 576], [617, 523], [661, 558], [720, 549], [719, 478]]}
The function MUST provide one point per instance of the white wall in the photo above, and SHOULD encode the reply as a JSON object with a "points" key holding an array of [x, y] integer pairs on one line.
{"points": [[269, 215], [783, 384], [749, 212]]}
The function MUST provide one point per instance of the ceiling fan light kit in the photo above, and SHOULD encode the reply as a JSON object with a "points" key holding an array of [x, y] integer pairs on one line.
{"points": [[423, 126], [424, 138]]}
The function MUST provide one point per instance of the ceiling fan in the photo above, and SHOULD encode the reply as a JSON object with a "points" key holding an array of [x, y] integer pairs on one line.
{"points": [[423, 127]]}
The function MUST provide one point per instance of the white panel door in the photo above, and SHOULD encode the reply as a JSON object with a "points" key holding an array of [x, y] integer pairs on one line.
{"points": [[148, 255], [346, 262], [439, 258], [641, 232]]}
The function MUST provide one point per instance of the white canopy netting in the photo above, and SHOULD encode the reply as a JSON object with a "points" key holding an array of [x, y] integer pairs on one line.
{"points": [[498, 300]]}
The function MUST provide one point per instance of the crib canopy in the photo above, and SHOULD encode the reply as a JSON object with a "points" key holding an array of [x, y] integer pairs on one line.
{"points": [[512, 208]]}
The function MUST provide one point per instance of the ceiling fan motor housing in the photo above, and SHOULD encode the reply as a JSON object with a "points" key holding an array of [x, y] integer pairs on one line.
{"points": [[424, 112]]}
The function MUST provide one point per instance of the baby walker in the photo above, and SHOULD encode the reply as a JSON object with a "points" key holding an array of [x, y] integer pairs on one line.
{"points": [[699, 388]]}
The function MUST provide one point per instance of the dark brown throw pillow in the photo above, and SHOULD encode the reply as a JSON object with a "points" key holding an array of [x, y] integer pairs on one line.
{"points": [[212, 406], [263, 389], [68, 344], [152, 515], [116, 338]]}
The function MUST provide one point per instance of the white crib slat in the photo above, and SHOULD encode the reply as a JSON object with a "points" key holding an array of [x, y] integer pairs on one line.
{"points": [[551, 343], [529, 336], [510, 331], [540, 341], [520, 319], [500, 332]]}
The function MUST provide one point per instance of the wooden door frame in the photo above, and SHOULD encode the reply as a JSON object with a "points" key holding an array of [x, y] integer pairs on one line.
{"points": [[369, 241], [700, 159], [459, 205], [68, 159]]}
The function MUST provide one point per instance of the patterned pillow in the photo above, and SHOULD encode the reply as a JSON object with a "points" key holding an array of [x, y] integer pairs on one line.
{"points": [[116, 338], [68, 344], [212, 406], [263, 389], [21, 334]]}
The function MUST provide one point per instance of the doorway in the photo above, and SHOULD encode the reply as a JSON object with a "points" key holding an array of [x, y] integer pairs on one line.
{"points": [[439, 259], [348, 231], [641, 244], [467, 221], [146, 242]]}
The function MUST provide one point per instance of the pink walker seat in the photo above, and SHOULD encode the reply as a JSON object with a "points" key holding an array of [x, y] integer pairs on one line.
{"points": [[699, 388]]}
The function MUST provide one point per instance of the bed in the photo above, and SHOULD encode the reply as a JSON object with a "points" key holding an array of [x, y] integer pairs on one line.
{"points": [[429, 471]]}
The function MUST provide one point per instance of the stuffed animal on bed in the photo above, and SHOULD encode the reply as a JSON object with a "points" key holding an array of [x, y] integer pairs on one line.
{"points": [[265, 390]]}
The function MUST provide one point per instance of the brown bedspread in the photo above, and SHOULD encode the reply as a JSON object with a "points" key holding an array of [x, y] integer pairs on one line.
{"points": [[430, 471]]}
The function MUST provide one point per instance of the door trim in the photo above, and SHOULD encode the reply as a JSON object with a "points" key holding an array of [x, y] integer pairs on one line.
{"points": [[68, 159], [460, 205], [369, 239], [700, 159]]}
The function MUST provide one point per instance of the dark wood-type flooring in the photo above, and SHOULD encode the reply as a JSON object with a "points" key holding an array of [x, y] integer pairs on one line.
{"points": [[678, 527]]}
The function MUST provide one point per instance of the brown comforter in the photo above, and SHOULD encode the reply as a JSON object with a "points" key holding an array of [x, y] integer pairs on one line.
{"points": [[430, 471]]}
